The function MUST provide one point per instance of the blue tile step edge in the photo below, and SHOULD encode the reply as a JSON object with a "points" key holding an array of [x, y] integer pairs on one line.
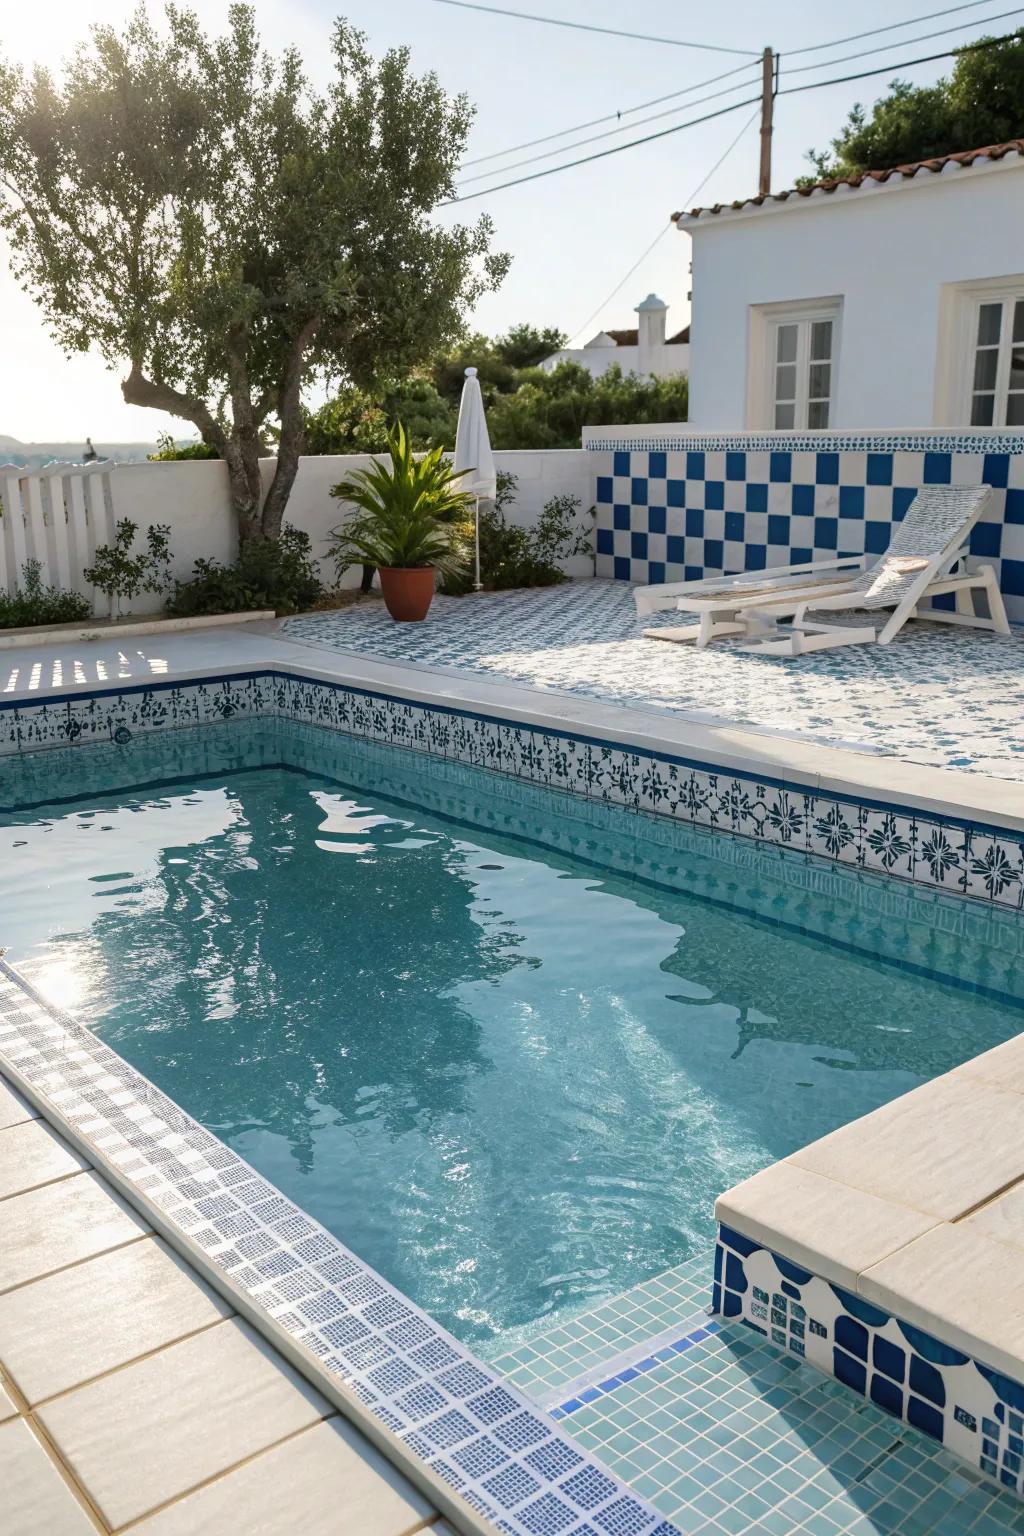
{"points": [[939, 851], [568, 1399], [480, 1450], [972, 1410]]}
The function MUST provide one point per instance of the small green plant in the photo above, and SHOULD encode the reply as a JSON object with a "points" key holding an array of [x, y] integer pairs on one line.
{"points": [[32, 603], [120, 575], [269, 573], [511, 556], [411, 513], [168, 449]]}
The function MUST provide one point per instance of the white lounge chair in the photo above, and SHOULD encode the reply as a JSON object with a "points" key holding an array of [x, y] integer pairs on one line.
{"points": [[721, 601], [934, 528], [926, 558]]}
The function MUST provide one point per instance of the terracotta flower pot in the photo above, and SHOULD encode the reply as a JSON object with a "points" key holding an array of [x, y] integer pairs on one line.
{"points": [[407, 593]]}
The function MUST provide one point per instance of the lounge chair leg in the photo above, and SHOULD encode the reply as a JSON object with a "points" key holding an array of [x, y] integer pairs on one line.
{"points": [[996, 606]]}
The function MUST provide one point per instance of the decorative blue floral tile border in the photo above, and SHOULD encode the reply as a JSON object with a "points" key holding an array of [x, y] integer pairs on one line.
{"points": [[675, 507], [974, 1411], [483, 1438], [948, 853]]}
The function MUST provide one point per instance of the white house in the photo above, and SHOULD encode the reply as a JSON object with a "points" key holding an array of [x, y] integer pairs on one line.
{"points": [[645, 351], [889, 300]]}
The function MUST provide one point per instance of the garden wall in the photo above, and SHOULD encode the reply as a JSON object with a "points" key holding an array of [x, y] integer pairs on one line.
{"points": [[192, 497], [675, 504]]}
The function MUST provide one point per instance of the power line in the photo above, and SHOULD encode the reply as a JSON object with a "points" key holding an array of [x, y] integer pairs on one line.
{"points": [[600, 154], [665, 228], [594, 137], [584, 26], [883, 69], [922, 37], [595, 122], [895, 26], [608, 117], [812, 85]]}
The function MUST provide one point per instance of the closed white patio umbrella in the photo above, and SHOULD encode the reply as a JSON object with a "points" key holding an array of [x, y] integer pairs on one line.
{"points": [[473, 452]]}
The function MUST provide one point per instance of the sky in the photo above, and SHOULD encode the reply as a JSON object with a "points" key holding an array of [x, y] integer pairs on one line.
{"points": [[573, 236]]}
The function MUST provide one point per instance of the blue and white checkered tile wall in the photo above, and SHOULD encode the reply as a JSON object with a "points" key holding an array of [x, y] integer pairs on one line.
{"points": [[678, 508], [945, 852], [974, 1411]]}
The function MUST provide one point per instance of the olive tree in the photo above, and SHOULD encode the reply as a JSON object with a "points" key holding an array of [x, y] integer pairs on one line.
{"points": [[223, 233]]}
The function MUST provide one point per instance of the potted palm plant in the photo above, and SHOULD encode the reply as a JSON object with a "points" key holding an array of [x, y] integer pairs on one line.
{"points": [[411, 522]]}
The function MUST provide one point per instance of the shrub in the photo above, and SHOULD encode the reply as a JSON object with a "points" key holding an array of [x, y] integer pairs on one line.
{"points": [[525, 557], [168, 449], [120, 574], [280, 574], [32, 603]]}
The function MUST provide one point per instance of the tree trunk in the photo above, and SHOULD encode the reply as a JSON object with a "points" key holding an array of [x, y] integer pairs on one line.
{"points": [[291, 441], [246, 485]]}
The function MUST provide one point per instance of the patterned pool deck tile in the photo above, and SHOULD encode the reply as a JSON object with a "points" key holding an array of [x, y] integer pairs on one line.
{"points": [[724, 1435], [945, 697]]}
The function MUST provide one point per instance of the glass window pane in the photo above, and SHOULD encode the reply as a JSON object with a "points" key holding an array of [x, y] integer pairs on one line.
{"points": [[1017, 368], [1018, 320], [819, 386], [785, 417], [985, 363], [785, 344], [785, 381], [982, 410], [1015, 410], [990, 323], [817, 414], [821, 340]]}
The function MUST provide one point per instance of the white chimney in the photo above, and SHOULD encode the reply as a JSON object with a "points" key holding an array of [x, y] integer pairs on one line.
{"points": [[650, 332]]}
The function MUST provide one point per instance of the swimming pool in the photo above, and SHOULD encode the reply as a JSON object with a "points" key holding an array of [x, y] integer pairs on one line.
{"points": [[506, 1046]]}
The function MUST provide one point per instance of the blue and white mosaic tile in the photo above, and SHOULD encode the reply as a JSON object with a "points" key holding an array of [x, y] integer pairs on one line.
{"points": [[974, 1411], [950, 698], [945, 853], [675, 507], [724, 1432], [482, 1437]]}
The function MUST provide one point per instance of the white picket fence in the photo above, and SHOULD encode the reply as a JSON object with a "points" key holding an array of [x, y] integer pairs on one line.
{"points": [[58, 516]]}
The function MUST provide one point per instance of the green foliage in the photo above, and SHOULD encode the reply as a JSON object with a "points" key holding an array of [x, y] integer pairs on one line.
{"points": [[357, 422], [498, 362], [280, 574], [511, 556], [410, 513], [526, 408], [32, 603], [169, 450], [202, 216], [119, 574], [980, 103], [549, 410]]}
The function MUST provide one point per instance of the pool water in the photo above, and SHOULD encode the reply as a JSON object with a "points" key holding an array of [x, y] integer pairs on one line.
{"points": [[512, 1078]]}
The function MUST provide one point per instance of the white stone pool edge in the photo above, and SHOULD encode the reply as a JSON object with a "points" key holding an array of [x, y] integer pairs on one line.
{"points": [[890, 1255]]}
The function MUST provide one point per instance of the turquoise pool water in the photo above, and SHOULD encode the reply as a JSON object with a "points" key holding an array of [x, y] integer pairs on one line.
{"points": [[508, 1048]]}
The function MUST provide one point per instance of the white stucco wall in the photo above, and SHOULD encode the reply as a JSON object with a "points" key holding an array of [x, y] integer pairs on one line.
{"points": [[192, 498], [666, 359], [886, 250]]}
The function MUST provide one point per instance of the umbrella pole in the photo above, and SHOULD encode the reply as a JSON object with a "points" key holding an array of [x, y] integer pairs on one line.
{"points": [[478, 584]]}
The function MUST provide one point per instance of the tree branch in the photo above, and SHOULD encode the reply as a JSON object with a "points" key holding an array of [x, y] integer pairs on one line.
{"points": [[136, 389]]}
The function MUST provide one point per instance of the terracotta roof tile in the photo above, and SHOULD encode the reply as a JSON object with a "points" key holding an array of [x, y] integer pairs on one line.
{"points": [[631, 338], [965, 157]]}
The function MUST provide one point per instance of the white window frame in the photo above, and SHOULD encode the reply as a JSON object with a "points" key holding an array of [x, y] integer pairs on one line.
{"points": [[954, 395], [764, 322]]}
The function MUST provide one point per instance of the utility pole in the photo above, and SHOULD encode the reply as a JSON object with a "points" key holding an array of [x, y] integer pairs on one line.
{"points": [[764, 183]]}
